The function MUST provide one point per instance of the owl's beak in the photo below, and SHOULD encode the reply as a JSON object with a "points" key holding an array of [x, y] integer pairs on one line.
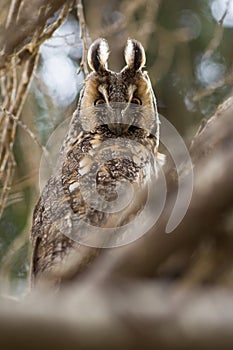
{"points": [[117, 126], [118, 129]]}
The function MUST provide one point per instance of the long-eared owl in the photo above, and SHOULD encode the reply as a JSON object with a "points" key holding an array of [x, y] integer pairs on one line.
{"points": [[109, 153]]}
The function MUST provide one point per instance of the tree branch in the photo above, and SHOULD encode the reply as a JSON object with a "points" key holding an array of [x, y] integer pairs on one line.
{"points": [[123, 316], [16, 35]]}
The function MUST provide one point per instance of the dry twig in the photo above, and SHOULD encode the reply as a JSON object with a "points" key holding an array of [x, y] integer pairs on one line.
{"points": [[83, 37]]}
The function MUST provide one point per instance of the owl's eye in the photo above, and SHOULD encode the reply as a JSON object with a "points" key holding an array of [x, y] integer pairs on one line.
{"points": [[99, 101], [136, 101]]}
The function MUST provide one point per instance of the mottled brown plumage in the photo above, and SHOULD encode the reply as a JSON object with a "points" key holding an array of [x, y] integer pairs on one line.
{"points": [[112, 139]]}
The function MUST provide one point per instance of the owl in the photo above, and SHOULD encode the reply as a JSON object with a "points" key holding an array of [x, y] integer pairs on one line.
{"points": [[109, 153]]}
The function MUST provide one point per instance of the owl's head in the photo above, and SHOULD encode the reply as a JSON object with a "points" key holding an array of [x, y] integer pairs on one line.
{"points": [[119, 99]]}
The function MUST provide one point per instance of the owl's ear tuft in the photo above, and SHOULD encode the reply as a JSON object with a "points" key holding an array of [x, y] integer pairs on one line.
{"points": [[134, 55], [98, 55]]}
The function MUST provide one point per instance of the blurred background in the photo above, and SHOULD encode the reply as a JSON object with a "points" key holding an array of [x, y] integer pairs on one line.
{"points": [[189, 60]]}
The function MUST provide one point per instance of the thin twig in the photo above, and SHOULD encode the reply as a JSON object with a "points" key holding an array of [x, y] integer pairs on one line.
{"points": [[46, 34], [7, 181], [27, 130], [6, 263], [13, 12], [15, 101], [209, 90], [83, 37], [225, 12], [218, 33]]}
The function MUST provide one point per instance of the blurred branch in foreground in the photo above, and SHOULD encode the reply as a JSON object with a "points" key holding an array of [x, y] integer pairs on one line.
{"points": [[123, 316]]}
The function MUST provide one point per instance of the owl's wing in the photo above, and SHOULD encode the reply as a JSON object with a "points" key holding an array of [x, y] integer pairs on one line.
{"points": [[55, 256]]}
